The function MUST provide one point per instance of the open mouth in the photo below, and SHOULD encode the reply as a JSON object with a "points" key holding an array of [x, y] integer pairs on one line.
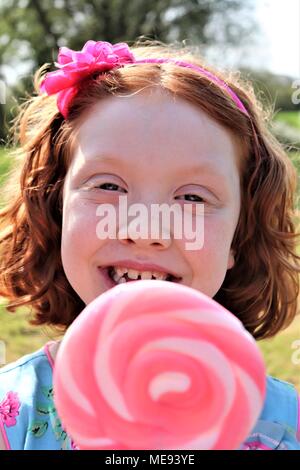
{"points": [[120, 275]]}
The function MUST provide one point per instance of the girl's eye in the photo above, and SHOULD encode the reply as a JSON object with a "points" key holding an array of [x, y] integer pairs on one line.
{"points": [[192, 198], [110, 187]]}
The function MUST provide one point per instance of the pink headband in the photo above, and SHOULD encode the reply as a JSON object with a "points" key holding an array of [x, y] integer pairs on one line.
{"points": [[102, 56]]}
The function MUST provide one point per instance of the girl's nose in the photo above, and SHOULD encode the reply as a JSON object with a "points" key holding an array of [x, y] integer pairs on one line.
{"points": [[131, 234]]}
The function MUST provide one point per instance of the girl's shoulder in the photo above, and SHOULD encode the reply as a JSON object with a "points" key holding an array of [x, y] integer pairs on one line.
{"points": [[282, 403], [36, 363], [28, 419], [278, 427]]}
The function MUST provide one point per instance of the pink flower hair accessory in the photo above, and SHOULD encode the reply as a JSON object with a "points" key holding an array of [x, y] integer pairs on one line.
{"points": [[76, 65], [101, 56]]}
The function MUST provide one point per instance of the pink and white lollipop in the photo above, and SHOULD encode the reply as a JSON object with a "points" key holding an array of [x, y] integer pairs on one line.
{"points": [[157, 365]]}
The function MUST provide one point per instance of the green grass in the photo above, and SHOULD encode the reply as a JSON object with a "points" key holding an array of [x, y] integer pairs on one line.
{"points": [[292, 118], [18, 336], [6, 162], [281, 356]]}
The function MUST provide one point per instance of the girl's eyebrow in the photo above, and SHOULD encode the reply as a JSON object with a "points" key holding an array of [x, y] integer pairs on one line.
{"points": [[104, 159], [205, 167]]}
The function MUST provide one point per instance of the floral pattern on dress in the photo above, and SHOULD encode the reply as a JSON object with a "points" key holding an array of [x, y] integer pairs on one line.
{"points": [[9, 409], [40, 426], [270, 435]]}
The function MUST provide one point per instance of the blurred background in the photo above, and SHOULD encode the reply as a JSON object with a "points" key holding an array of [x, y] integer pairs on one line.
{"points": [[261, 38]]}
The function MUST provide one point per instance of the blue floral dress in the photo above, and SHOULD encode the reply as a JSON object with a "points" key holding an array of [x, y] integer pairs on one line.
{"points": [[28, 418]]}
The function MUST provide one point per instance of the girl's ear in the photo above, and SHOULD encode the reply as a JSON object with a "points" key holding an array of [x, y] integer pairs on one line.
{"points": [[231, 260]]}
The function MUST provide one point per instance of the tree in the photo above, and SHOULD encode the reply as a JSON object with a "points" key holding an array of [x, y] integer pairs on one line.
{"points": [[32, 30]]}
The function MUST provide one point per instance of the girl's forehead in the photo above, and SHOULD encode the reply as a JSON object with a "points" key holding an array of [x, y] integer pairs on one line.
{"points": [[150, 124]]}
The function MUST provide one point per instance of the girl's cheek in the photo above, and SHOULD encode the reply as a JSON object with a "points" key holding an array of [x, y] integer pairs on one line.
{"points": [[79, 222], [209, 235]]}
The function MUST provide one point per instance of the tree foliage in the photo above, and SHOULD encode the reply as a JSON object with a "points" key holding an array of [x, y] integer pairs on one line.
{"points": [[31, 31]]}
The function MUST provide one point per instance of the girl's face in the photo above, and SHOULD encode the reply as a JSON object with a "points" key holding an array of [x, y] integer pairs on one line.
{"points": [[151, 149]]}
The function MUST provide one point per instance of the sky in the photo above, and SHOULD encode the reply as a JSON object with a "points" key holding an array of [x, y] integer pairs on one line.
{"points": [[279, 21], [277, 48]]}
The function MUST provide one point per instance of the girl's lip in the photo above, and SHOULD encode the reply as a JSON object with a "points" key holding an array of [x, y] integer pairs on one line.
{"points": [[108, 282]]}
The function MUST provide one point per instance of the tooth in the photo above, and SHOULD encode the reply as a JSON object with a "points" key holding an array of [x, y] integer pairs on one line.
{"points": [[160, 276], [116, 277], [146, 275], [133, 274], [120, 271]]}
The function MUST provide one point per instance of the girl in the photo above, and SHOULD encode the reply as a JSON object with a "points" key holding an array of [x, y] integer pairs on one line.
{"points": [[152, 123]]}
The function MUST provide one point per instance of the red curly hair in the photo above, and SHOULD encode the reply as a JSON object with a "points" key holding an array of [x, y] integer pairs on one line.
{"points": [[263, 286]]}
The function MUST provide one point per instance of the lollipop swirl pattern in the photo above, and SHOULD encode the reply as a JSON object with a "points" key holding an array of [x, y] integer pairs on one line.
{"points": [[157, 365]]}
